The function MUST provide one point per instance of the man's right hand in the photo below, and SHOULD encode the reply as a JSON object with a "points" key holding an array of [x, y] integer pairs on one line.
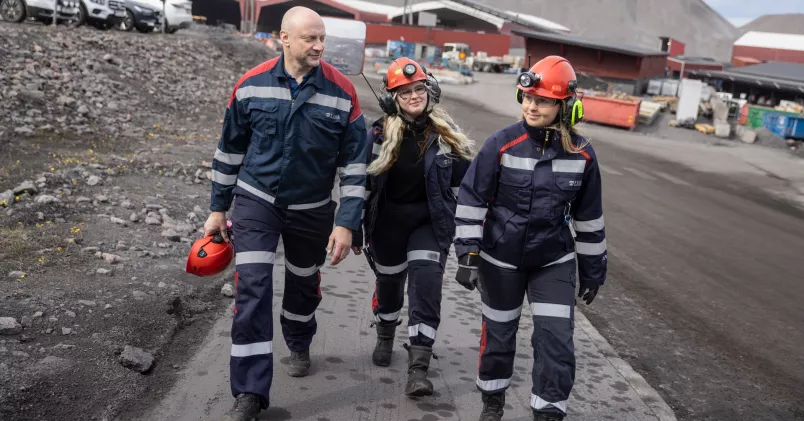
{"points": [[216, 223], [467, 274]]}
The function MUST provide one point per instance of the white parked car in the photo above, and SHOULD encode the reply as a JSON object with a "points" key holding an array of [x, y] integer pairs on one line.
{"points": [[40, 10], [103, 14], [178, 13]]}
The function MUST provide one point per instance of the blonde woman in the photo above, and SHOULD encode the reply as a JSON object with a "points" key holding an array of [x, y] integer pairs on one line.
{"points": [[419, 158], [530, 207]]}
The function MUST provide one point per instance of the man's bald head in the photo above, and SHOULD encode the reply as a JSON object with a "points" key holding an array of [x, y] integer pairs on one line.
{"points": [[302, 38], [299, 17]]}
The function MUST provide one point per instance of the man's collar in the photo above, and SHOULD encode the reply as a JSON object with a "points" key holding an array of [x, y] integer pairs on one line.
{"points": [[313, 75]]}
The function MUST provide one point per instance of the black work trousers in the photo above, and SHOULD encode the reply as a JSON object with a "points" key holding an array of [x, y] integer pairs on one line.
{"points": [[403, 244]]}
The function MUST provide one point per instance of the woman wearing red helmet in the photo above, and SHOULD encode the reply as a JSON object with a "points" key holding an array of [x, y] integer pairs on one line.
{"points": [[529, 211], [419, 158]]}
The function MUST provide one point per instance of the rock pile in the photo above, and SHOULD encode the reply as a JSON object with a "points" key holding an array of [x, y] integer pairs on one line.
{"points": [[82, 80]]}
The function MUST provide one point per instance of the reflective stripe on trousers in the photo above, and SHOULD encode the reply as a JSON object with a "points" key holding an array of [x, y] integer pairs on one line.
{"points": [[404, 245], [257, 226], [551, 298]]}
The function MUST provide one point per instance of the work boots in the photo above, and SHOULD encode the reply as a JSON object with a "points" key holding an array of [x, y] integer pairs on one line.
{"points": [[385, 344], [299, 363], [418, 364], [546, 416], [245, 408], [492, 407]]}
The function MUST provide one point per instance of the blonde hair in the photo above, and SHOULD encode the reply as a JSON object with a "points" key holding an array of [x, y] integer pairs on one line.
{"points": [[449, 139]]}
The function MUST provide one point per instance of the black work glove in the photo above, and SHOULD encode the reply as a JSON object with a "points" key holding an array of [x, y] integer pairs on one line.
{"points": [[467, 274], [588, 291]]}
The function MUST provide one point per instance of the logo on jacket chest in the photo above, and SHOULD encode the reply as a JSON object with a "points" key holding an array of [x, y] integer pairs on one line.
{"points": [[575, 183], [332, 116]]}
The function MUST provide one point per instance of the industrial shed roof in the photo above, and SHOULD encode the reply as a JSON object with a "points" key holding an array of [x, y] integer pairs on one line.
{"points": [[787, 76], [771, 40], [590, 43], [494, 16], [696, 60]]}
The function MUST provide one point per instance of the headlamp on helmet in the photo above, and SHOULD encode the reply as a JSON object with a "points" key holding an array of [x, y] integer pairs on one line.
{"points": [[528, 79], [409, 70]]}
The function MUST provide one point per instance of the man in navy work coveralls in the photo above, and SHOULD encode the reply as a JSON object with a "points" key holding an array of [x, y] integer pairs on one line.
{"points": [[292, 122]]}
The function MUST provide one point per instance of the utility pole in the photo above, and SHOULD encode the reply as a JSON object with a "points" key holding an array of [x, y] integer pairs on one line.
{"points": [[247, 17], [55, 12], [405, 12]]}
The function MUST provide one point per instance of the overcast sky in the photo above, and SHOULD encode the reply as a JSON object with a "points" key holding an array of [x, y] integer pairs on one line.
{"points": [[740, 12]]}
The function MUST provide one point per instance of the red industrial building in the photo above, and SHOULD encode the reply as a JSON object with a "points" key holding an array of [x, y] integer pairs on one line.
{"points": [[492, 44], [673, 47], [598, 64], [756, 47]]}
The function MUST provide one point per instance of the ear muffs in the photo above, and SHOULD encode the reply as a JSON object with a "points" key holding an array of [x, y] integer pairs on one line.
{"points": [[386, 99], [572, 111], [433, 88], [388, 103], [577, 112], [572, 108]]}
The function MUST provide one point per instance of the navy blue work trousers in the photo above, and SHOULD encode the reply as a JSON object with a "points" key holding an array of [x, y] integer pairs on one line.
{"points": [[257, 226]]}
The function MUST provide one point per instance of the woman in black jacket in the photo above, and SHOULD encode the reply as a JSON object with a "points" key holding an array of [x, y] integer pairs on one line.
{"points": [[417, 163]]}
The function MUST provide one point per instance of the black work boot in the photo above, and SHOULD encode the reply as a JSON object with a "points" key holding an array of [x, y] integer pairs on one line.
{"points": [[418, 364], [299, 363], [492, 407], [245, 408], [547, 416], [385, 344]]}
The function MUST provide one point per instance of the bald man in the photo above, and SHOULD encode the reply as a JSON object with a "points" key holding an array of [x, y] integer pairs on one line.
{"points": [[291, 124]]}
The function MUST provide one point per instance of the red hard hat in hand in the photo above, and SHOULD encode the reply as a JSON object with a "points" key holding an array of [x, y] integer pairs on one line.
{"points": [[209, 256]]}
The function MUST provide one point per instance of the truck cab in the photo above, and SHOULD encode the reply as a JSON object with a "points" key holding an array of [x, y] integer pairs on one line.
{"points": [[456, 51]]}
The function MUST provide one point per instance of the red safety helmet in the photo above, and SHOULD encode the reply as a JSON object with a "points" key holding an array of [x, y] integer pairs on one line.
{"points": [[401, 72], [551, 77], [209, 256]]}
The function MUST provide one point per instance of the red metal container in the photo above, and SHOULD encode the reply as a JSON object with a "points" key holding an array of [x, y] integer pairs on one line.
{"points": [[615, 112], [743, 115]]}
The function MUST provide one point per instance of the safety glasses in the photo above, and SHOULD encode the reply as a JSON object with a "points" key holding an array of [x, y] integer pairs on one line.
{"points": [[406, 94]]}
